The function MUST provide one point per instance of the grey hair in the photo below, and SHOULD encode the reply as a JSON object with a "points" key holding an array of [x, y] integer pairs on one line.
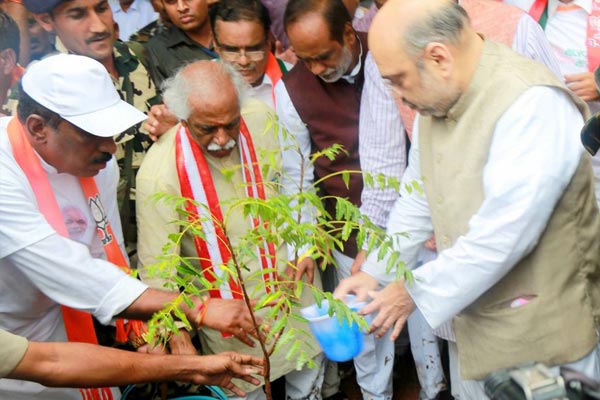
{"points": [[443, 24], [178, 88]]}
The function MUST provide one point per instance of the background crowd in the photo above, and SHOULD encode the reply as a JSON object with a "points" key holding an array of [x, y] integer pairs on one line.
{"points": [[479, 103]]}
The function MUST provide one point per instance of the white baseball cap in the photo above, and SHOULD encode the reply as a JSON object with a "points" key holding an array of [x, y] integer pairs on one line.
{"points": [[81, 91]]}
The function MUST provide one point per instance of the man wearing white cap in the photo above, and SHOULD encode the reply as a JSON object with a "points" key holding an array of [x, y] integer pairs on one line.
{"points": [[56, 156], [86, 28]]}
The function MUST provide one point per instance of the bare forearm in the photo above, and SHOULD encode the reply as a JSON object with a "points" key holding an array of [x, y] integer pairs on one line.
{"points": [[149, 302], [85, 365], [225, 315]]}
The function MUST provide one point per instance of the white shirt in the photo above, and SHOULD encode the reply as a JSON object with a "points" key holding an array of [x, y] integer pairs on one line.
{"points": [[295, 144], [262, 92], [138, 15], [567, 31], [39, 269], [382, 144], [522, 184]]}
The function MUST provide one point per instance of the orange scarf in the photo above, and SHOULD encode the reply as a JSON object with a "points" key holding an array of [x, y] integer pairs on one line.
{"points": [[273, 71], [78, 324], [214, 248]]}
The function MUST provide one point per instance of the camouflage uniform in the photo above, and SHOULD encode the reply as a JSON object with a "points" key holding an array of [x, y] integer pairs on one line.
{"points": [[134, 86]]}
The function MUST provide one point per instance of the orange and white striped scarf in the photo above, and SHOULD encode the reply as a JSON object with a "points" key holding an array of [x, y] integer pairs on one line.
{"points": [[214, 250]]}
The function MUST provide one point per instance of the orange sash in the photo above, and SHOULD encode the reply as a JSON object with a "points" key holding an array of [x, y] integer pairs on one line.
{"points": [[78, 324], [537, 9], [214, 248], [273, 71]]}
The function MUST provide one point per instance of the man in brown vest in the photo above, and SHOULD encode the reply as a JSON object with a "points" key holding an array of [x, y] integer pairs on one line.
{"points": [[318, 101], [508, 192]]}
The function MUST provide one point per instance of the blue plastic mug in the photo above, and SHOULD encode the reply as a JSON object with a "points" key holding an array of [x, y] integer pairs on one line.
{"points": [[340, 341]]}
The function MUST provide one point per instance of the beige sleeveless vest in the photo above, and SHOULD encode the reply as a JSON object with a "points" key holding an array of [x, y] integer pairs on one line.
{"points": [[563, 270]]}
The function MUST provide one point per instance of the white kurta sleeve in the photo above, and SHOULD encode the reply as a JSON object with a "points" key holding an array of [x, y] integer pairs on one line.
{"points": [[64, 270], [531, 161]]}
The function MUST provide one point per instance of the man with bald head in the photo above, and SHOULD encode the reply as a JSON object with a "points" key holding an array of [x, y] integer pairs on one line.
{"points": [[508, 192], [204, 158]]}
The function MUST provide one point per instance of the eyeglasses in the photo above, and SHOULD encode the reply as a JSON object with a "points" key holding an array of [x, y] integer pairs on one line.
{"points": [[252, 53]]}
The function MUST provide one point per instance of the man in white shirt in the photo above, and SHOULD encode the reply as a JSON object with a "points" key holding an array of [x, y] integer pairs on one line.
{"points": [[382, 145], [569, 30], [382, 138], [241, 34], [488, 241], [132, 15], [61, 138]]}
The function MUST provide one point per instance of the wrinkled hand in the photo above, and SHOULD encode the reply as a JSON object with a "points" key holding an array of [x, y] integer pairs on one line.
{"points": [[220, 369], [394, 305], [150, 348], [360, 284], [583, 85], [160, 120], [182, 343], [288, 55], [358, 262], [231, 316], [306, 265]]}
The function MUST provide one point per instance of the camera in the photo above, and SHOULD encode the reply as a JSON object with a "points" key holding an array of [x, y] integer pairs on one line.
{"points": [[590, 134], [538, 382]]}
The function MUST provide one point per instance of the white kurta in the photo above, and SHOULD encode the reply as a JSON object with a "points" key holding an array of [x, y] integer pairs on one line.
{"points": [[39, 269]]}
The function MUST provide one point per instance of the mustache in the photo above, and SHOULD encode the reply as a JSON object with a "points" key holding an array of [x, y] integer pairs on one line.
{"points": [[97, 37], [103, 158], [216, 147]]}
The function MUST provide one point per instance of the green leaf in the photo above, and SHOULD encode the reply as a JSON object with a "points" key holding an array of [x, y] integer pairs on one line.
{"points": [[346, 179]]}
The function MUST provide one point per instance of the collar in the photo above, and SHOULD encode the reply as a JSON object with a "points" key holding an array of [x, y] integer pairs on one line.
{"points": [[584, 4], [352, 75], [472, 91], [175, 36], [266, 81], [118, 9]]}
